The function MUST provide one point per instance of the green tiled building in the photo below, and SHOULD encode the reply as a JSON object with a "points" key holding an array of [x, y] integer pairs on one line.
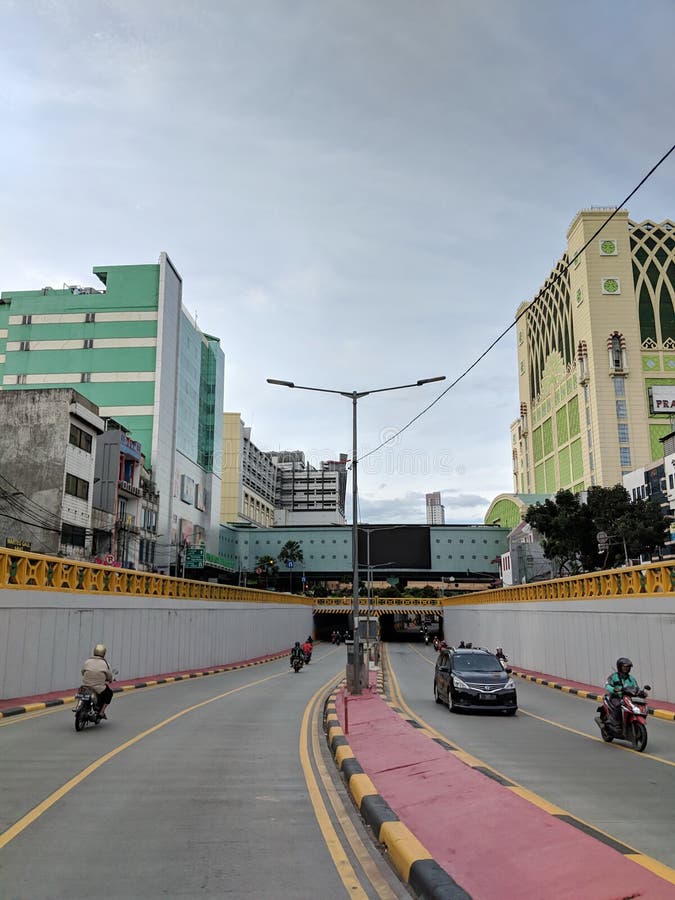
{"points": [[132, 349]]}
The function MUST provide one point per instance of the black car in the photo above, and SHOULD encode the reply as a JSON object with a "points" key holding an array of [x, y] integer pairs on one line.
{"points": [[473, 679]]}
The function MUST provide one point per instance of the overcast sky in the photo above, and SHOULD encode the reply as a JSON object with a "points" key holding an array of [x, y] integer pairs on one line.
{"points": [[357, 193]]}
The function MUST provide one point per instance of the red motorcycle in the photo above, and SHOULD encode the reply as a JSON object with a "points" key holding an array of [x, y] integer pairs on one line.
{"points": [[633, 718]]}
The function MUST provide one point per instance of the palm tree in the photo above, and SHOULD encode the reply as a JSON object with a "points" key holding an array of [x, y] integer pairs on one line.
{"points": [[292, 553]]}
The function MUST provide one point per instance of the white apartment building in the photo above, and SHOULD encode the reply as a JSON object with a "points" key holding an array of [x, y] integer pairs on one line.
{"points": [[435, 509]]}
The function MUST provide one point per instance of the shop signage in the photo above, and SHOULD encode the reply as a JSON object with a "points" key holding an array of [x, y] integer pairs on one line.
{"points": [[17, 544], [662, 398]]}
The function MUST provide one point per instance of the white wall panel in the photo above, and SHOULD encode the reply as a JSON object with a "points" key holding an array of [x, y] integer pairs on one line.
{"points": [[579, 641], [45, 637]]}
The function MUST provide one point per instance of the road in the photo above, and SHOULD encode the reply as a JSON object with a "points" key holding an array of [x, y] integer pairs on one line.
{"points": [[219, 786], [553, 748]]}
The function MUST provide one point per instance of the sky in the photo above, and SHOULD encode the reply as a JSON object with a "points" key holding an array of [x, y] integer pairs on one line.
{"points": [[357, 194]]}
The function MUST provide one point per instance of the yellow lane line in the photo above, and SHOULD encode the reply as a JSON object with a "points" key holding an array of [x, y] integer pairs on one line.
{"points": [[592, 737], [341, 861], [637, 856], [360, 851], [35, 813]]}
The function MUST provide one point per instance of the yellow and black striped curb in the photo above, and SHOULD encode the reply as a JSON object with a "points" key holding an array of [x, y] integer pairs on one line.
{"points": [[410, 858], [122, 689], [666, 714]]}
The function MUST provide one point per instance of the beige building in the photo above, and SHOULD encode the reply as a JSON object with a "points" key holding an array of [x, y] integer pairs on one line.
{"points": [[249, 477], [596, 358]]}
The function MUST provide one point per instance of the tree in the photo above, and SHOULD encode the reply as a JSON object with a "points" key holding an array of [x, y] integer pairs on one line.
{"points": [[634, 527], [291, 553], [567, 530]]}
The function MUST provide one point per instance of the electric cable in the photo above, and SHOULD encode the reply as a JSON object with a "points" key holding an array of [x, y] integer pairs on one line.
{"points": [[528, 308]]}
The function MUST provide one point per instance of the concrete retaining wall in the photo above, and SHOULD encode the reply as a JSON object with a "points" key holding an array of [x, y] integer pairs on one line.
{"points": [[579, 640], [45, 636]]}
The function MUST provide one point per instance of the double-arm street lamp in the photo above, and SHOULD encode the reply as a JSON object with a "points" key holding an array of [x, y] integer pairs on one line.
{"points": [[355, 396]]}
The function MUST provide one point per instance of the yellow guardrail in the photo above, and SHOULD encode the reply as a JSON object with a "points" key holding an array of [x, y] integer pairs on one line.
{"points": [[646, 580], [21, 569]]}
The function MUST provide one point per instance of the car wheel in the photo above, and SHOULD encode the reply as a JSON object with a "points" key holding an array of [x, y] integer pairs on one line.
{"points": [[436, 697], [451, 705]]}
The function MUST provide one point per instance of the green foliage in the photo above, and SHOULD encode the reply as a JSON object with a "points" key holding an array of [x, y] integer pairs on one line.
{"points": [[567, 531], [291, 552], [569, 528]]}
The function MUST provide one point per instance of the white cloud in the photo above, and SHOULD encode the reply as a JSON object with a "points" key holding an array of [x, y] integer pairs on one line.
{"points": [[353, 201]]}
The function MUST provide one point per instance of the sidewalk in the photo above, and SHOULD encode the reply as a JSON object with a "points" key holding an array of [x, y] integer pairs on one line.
{"points": [[493, 843]]}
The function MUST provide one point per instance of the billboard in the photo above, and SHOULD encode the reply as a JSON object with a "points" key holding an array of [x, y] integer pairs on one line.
{"points": [[395, 547], [662, 398]]}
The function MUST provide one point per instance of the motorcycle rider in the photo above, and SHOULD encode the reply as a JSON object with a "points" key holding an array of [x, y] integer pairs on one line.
{"points": [[296, 653], [96, 674], [616, 683], [307, 650]]}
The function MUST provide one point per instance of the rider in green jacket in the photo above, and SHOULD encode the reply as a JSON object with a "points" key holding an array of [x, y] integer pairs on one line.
{"points": [[616, 683]]}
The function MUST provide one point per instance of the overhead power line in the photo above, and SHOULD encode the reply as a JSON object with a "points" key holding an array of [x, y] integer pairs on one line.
{"points": [[527, 309]]}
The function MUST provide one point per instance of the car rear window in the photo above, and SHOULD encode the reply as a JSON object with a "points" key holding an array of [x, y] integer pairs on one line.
{"points": [[476, 662]]}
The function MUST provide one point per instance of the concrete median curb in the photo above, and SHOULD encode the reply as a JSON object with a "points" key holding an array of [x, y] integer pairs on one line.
{"points": [[411, 860], [658, 713], [38, 705]]}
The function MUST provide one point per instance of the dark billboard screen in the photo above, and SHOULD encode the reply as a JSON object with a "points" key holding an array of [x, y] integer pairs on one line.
{"points": [[400, 547]]}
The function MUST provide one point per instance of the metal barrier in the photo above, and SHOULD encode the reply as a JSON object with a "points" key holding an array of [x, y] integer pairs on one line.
{"points": [[21, 569], [648, 579]]}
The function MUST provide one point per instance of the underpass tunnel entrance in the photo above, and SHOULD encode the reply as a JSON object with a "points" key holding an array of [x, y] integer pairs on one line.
{"points": [[409, 626], [393, 626], [326, 623]]}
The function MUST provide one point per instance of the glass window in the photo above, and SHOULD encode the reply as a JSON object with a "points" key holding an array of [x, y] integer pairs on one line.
{"points": [[73, 535], [621, 412], [80, 438], [620, 387], [623, 434], [77, 487], [624, 456]]}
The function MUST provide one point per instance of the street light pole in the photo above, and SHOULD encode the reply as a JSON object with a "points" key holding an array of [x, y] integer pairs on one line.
{"points": [[355, 396]]}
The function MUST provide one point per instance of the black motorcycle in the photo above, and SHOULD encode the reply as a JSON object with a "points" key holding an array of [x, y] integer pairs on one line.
{"points": [[297, 664], [87, 709]]}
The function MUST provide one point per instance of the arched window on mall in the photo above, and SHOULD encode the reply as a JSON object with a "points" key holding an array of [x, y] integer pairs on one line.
{"points": [[582, 361], [616, 347]]}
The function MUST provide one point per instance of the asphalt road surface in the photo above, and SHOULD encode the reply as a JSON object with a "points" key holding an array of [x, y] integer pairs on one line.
{"points": [[213, 787], [553, 747]]}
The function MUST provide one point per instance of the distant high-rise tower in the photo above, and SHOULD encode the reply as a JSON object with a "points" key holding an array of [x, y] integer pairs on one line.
{"points": [[435, 509]]}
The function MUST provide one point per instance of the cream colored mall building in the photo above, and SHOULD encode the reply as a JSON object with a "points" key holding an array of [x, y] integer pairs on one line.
{"points": [[596, 358]]}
